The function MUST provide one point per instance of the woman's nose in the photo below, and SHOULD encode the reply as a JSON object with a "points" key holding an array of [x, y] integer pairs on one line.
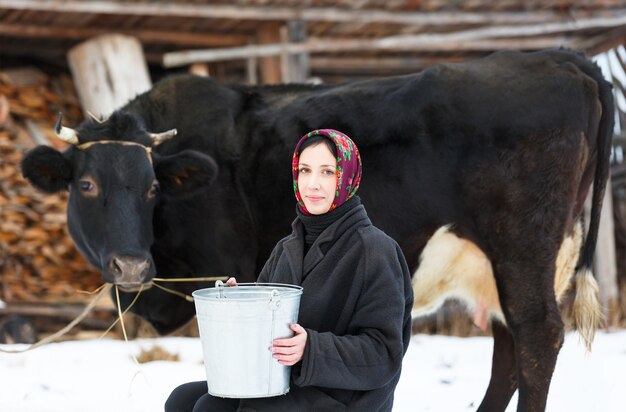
{"points": [[313, 183]]}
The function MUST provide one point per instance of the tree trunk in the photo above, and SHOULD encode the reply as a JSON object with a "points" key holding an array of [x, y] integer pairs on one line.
{"points": [[108, 71]]}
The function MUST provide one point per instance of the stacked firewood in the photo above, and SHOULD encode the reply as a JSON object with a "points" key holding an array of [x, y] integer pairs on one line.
{"points": [[33, 95], [38, 259]]}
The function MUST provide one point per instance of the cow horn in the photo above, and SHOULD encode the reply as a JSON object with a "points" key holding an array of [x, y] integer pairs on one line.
{"points": [[158, 138], [65, 133]]}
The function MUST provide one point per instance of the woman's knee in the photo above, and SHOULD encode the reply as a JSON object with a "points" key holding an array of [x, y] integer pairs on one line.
{"points": [[185, 396], [208, 403]]}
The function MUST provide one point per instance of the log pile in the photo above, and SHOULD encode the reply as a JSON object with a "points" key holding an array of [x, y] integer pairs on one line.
{"points": [[38, 259]]}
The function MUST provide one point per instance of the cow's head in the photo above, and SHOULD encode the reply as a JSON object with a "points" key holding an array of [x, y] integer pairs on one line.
{"points": [[115, 181]]}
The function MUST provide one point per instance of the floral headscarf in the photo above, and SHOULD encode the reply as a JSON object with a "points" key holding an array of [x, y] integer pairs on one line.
{"points": [[348, 167]]}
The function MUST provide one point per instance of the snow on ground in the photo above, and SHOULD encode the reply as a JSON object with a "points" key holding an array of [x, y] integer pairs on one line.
{"points": [[439, 374]]}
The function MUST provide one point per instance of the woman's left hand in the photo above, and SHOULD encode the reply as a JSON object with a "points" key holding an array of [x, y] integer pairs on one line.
{"points": [[288, 352]]}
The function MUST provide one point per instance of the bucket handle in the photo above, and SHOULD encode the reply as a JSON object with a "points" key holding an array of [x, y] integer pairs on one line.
{"points": [[274, 300], [220, 288]]}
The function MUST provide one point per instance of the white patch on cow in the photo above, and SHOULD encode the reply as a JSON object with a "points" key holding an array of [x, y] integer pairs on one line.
{"points": [[452, 267], [455, 268]]}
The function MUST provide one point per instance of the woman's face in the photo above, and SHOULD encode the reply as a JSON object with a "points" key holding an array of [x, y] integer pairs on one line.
{"points": [[317, 178]]}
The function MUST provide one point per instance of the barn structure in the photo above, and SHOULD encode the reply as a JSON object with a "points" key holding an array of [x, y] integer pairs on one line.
{"points": [[52, 51], [271, 41]]}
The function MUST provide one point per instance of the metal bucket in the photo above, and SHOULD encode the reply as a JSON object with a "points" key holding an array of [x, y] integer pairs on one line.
{"points": [[237, 326]]}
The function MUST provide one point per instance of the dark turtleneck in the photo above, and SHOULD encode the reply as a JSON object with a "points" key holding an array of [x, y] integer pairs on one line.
{"points": [[314, 225]]}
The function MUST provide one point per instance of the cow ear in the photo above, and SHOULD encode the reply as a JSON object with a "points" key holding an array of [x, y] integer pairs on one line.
{"points": [[184, 173], [47, 169]]}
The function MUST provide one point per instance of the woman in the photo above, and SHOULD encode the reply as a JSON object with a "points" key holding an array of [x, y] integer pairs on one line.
{"points": [[354, 321]]}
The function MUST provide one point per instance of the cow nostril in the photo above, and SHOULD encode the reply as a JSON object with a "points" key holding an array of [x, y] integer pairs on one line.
{"points": [[116, 265], [128, 269]]}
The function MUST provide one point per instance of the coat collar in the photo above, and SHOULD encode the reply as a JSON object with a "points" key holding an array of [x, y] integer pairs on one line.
{"points": [[301, 265]]}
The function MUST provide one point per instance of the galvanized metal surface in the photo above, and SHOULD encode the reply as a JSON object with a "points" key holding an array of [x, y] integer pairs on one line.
{"points": [[237, 326]]}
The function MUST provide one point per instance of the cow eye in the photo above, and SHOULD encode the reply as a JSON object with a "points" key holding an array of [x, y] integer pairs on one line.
{"points": [[154, 189], [87, 187]]}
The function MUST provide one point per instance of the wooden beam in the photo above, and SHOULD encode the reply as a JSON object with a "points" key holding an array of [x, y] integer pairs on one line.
{"points": [[48, 52], [145, 36], [69, 311], [421, 43], [259, 13], [359, 65], [100, 317], [603, 42]]}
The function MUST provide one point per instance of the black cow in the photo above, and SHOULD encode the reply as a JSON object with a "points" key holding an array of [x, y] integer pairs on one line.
{"points": [[478, 170]]}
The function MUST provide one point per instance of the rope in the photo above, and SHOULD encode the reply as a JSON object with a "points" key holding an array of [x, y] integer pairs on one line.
{"points": [[93, 292], [175, 292], [104, 289], [67, 328], [121, 318], [181, 294], [123, 313], [204, 279]]}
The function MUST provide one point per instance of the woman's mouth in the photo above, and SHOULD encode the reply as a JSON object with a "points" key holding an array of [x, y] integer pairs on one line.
{"points": [[315, 198]]}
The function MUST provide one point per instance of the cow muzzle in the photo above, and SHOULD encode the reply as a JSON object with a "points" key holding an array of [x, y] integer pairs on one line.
{"points": [[129, 272]]}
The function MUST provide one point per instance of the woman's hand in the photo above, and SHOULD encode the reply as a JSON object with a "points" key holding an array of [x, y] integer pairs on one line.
{"points": [[231, 282], [288, 352]]}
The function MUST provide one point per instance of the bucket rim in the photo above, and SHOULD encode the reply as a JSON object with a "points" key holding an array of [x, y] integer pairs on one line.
{"points": [[200, 294]]}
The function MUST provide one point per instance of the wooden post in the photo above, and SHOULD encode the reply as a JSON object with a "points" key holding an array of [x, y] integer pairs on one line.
{"points": [[108, 71], [284, 56], [270, 66], [606, 264], [298, 64], [251, 70]]}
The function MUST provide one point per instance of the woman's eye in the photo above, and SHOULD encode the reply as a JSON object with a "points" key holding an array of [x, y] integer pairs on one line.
{"points": [[329, 172], [304, 170]]}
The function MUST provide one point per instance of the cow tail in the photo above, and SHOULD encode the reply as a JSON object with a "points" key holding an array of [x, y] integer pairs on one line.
{"points": [[587, 309]]}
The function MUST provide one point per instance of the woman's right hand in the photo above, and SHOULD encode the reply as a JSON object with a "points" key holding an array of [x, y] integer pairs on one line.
{"points": [[231, 282]]}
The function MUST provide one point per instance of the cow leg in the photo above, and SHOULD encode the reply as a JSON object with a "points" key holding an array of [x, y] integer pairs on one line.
{"points": [[537, 347], [503, 381], [532, 315]]}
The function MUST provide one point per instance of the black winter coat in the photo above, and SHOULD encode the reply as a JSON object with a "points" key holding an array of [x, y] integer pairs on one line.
{"points": [[356, 309]]}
